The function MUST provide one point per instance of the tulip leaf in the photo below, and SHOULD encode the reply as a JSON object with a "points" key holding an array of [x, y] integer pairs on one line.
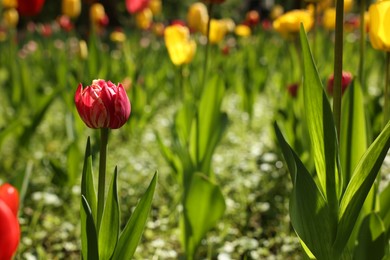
{"points": [[89, 195], [385, 206], [322, 131], [309, 211], [204, 205], [208, 125], [353, 142], [109, 228], [359, 186], [131, 235], [371, 239], [88, 232]]}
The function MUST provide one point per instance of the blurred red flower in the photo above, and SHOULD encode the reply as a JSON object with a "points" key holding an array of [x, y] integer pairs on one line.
{"points": [[135, 6], [30, 7], [293, 89], [346, 80], [10, 195]]}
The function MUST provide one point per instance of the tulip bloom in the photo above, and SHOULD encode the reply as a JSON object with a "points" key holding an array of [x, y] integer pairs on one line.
{"points": [[155, 6], [252, 18], [9, 224], [346, 80], [197, 17], [218, 30], [135, 6], [11, 17], [181, 48], [71, 8], [242, 30], [30, 7], [144, 19], [379, 13], [96, 13], [10, 3], [289, 23], [103, 104], [329, 19]]}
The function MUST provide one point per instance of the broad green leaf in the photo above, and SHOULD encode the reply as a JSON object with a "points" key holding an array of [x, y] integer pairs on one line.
{"points": [[73, 156], [361, 182], [87, 184], [88, 232], [384, 202], [309, 212], [109, 228], [353, 141], [321, 128], [371, 240], [131, 235], [204, 206]]}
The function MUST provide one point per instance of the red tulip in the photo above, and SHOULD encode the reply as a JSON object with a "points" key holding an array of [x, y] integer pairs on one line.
{"points": [[252, 18], [293, 89], [103, 104], [9, 232], [30, 7], [135, 6], [346, 80], [10, 195]]}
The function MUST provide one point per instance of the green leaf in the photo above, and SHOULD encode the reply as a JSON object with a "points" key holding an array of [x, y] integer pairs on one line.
{"points": [[359, 186], [384, 202], [73, 156], [109, 228], [321, 128], [309, 212], [204, 206], [88, 234], [353, 142], [89, 194], [371, 240], [132, 232]]}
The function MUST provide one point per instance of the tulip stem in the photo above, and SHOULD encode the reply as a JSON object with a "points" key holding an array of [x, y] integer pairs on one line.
{"points": [[338, 66], [102, 175], [362, 43], [386, 94], [207, 49]]}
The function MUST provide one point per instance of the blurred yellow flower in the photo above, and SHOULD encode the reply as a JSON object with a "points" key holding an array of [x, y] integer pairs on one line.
{"points": [[329, 19], [11, 17], [96, 13], [83, 50], [197, 17], [181, 48], [158, 29], [242, 30], [276, 11], [71, 8], [144, 19], [155, 6], [289, 23], [10, 3], [218, 30], [348, 4], [229, 24], [117, 36], [379, 13]]}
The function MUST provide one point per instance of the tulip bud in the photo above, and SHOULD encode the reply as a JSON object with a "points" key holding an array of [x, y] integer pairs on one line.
{"points": [[96, 13], [155, 6], [329, 19], [181, 48], [293, 89], [242, 30], [71, 8], [290, 22], [379, 13], [346, 80], [144, 19], [197, 17], [83, 50], [103, 104], [11, 17]]}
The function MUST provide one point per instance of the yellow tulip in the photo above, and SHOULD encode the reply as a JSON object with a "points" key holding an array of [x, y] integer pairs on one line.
{"points": [[242, 30], [96, 13], [155, 6], [144, 19], [197, 17], [348, 4], [379, 13], [117, 36], [11, 17], [289, 23], [10, 3], [218, 30], [181, 48], [276, 11], [71, 8], [158, 29], [229, 24], [83, 50], [329, 18]]}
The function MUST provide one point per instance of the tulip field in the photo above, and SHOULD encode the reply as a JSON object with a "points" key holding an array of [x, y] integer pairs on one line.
{"points": [[218, 129]]}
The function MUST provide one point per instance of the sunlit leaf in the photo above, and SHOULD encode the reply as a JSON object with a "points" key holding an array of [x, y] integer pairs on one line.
{"points": [[131, 235], [109, 228], [88, 232]]}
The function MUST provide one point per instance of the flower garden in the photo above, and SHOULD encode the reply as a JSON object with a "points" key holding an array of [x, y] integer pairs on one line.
{"points": [[218, 129]]}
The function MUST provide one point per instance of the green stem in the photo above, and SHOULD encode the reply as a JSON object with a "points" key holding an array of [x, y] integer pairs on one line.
{"points": [[102, 174], [207, 49], [362, 43], [338, 65], [386, 107]]}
